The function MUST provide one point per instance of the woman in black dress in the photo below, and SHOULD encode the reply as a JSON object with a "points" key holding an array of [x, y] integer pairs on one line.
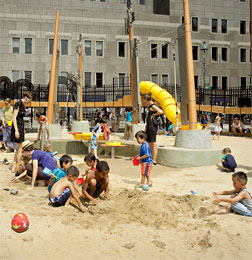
{"points": [[151, 127], [17, 130]]}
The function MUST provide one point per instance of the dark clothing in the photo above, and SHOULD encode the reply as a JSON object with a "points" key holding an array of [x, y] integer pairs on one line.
{"points": [[97, 189], [229, 162], [204, 121], [20, 122], [151, 127], [29, 169]]}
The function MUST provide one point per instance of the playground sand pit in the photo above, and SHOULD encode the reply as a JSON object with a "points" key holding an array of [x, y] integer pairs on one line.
{"points": [[166, 222]]}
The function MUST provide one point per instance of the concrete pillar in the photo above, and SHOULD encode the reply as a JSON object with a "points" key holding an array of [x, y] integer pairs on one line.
{"points": [[80, 126], [194, 139], [55, 131]]}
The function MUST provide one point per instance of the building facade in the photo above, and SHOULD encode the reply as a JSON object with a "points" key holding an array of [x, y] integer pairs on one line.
{"points": [[27, 31]]}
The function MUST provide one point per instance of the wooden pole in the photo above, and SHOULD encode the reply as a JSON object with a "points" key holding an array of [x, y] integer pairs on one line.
{"points": [[80, 71], [192, 115], [130, 28], [53, 69]]}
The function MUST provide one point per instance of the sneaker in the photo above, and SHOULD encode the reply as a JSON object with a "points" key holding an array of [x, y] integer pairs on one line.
{"points": [[5, 161], [140, 186], [154, 163]]}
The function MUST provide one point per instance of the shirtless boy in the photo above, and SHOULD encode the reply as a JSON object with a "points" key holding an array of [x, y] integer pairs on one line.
{"points": [[63, 190], [96, 182]]}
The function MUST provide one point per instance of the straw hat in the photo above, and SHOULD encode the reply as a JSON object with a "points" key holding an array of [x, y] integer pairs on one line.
{"points": [[26, 144]]}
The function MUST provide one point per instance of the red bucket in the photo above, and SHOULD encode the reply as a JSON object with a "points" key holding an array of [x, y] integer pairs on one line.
{"points": [[79, 181], [135, 161]]}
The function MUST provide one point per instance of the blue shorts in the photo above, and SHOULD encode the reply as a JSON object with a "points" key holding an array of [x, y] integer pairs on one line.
{"points": [[61, 199], [93, 144]]}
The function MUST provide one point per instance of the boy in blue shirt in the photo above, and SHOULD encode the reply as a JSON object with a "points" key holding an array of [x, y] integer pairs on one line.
{"points": [[65, 162], [145, 158]]}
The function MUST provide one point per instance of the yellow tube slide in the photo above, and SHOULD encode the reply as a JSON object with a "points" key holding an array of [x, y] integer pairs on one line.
{"points": [[167, 102]]}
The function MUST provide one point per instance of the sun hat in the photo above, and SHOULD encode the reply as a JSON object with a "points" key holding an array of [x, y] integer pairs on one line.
{"points": [[26, 144]]}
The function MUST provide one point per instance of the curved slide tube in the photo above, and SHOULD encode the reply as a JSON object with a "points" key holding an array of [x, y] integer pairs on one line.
{"points": [[167, 102]]}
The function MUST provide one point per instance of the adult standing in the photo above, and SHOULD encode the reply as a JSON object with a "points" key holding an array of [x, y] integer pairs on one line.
{"points": [[7, 124], [151, 128], [17, 130]]}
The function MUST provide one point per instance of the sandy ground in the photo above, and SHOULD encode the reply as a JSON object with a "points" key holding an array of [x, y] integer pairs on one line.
{"points": [[167, 222]]}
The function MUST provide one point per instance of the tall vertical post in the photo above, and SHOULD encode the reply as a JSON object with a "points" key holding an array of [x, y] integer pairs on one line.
{"points": [[251, 44], [192, 115], [53, 69], [130, 31], [79, 105]]}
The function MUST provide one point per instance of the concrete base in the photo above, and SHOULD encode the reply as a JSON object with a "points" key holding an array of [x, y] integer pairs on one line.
{"points": [[135, 129], [80, 126], [193, 139], [55, 131], [184, 157]]}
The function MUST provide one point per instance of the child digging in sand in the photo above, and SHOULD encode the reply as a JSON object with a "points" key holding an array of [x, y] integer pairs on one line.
{"points": [[91, 162], [240, 200], [65, 162], [63, 191], [96, 182], [145, 158]]}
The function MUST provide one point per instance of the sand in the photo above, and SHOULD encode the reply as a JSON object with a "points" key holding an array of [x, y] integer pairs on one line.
{"points": [[167, 222]]}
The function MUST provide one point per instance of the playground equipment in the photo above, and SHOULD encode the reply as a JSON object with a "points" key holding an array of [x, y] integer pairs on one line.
{"points": [[167, 102]]}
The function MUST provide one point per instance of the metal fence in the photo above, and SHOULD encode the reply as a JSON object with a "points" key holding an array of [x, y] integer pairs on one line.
{"points": [[232, 97]]}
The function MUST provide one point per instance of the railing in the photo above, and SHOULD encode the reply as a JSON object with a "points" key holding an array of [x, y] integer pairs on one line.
{"points": [[232, 97]]}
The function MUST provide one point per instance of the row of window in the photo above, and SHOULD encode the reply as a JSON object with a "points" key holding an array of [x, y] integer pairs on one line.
{"points": [[156, 51], [141, 2], [215, 25], [154, 77], [224, 53]]}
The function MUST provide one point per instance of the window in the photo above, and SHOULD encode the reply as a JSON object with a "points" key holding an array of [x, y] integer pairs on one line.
{"points": [[122, 1], [194, 24], [121, 49], [224, 54], [64, 74], [28, 45], [242, 27], [99, 48], [214, 25], [99, 76], [122, 79], [224, 81], [102, 1], [195, 52], [15, 75], [50, 46], [243, 83], [16, 45], [49, 76], [142, 2], [87, 79], [164, 80], [161, 7], [28, 75], [243, 1], [196, 81], [223, 26], [64, 47], [165, 51], [154, 78], [215, 80], [182, 20], [214, 54], [242, 55], [154, 51], [87, 46]]}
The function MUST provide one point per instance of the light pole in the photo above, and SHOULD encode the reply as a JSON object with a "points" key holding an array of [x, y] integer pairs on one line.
{"points": [[204, 49]]}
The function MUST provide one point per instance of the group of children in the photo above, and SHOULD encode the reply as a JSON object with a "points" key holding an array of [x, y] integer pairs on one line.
{"points": [[63, 190]]}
